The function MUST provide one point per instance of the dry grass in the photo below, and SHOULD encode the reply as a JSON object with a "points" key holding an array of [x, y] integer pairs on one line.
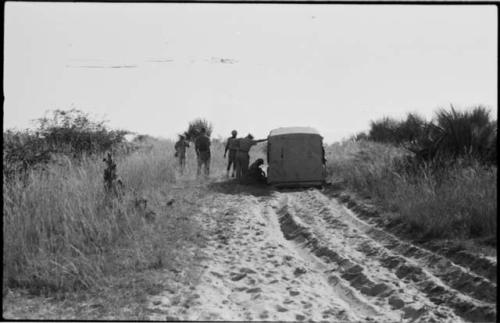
{"points": [[456, 202], [62, 234]]}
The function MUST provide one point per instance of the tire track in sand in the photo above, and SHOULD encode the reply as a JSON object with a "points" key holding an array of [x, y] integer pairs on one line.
{"points": [[253, 273], [294, 256], [384, 267]]}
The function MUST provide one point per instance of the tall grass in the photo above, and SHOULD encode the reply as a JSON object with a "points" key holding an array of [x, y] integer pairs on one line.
{"points": [[458, 201], [62, 233]]}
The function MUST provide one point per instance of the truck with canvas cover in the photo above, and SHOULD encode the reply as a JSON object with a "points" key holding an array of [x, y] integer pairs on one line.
{"points": [[295, 157]]}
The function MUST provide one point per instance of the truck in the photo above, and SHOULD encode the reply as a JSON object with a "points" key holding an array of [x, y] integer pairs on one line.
{"points": [[295, 157]]}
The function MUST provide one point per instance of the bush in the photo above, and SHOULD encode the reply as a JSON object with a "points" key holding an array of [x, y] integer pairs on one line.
{"points": [[194, 128], [74, 132], [467, 133], [384, 130], [23, 150], [360, 136], [450, 135], [70, 133], [411, 129]]}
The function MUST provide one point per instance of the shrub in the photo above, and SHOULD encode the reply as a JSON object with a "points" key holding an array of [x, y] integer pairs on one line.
{"points": [[74, 132], [383, 130], [194, 128], [70, 133], [411, 129], [23, 150], [450, 135], [466, 133], [360, 136]]}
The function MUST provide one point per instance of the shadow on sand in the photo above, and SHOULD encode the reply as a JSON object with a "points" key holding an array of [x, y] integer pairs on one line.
{"points": [[234, 187], [252, 188]]}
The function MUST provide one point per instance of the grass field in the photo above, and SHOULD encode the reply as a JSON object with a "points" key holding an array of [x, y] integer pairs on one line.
{"points": [[458, 202], [62, 233]]}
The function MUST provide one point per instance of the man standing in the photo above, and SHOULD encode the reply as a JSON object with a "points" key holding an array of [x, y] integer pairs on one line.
{"points": [[180, 152], [232, 146], [202, 147], [242, 156]]}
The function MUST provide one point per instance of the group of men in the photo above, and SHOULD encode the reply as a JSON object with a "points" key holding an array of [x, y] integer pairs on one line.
{"points": [[202, 148], [238, 157]]}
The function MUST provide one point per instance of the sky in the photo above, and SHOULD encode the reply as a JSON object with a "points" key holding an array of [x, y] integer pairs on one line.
{"points": [[154, 67]]}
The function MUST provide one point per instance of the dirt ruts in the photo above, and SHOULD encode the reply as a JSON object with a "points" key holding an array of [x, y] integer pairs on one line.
{"points": [[480, 265], [300, 255]]}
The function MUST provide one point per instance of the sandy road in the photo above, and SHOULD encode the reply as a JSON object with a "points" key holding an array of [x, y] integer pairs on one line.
{"points": [[300, 255]]}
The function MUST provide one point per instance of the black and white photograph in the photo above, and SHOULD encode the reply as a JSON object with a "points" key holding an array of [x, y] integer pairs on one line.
{"points": [[250, 161]]}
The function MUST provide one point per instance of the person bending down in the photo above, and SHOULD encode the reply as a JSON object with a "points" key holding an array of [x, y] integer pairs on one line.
{"points": [[255, 172]]}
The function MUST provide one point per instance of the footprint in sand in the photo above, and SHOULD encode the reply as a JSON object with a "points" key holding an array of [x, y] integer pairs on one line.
{"points": [[299, 271], [307, 305], [247, 270], [237, 276], [216, 274]]}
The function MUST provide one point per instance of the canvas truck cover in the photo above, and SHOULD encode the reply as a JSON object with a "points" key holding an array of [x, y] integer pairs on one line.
{"points": [[295, 157]]}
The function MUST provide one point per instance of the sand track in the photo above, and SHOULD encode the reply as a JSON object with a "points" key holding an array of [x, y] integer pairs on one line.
{"points": [[300, 255]]}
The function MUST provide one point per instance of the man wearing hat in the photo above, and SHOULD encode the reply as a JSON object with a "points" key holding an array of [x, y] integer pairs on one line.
{"points": [[232, 146], [242, 156]]}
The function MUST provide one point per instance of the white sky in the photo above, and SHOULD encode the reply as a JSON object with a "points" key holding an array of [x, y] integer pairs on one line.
{"points": [[332, 67]]}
